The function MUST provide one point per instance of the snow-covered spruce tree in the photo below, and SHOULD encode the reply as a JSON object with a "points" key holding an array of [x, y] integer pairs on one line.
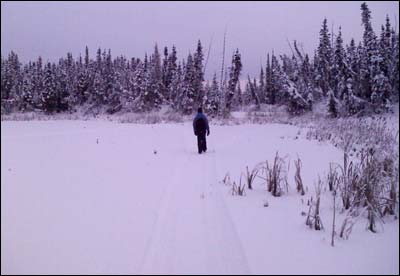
{"points": [[133, 100], [296, 88], [85, 76], [370, 58], [69, 70], [339, 69], [394, 70], [61, 90], [234, 74], [7, 83], [323, 77], [165, 77], [198, 74], [353, 66], [188, 96], [296, 103], [207, 89], [351, 103], [37, 82], [275, 82], [123, 80], [87, 59], [114, 102], [306, 72], [140, 79], [251, 96], [96, 94], [112, 87], [172, 75], [247, 97], [213, 97], [262, 90], [27, 97], [124, 72], [49, 93], [270, 98], [83, 85], [11, 83], [380, 97], [387, 49], [306, 80], [238, 98], [3, 80], [169, 67], [176, 88], [256, 89], [153, 93]]}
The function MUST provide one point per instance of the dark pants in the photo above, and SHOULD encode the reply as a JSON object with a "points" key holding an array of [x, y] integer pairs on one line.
{"points": [[201, 142]]}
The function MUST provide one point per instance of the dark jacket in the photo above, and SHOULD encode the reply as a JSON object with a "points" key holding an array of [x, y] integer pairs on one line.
{"points": [[200, 124]]}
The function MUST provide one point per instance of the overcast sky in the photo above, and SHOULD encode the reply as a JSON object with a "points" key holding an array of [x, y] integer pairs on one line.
{"points": [[51, 29]]}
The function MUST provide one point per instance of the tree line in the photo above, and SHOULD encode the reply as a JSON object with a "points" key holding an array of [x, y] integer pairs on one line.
{"points": [[351, 79]]}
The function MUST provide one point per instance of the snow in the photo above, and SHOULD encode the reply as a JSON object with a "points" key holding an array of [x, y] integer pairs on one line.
{"points": [[96, 197]]}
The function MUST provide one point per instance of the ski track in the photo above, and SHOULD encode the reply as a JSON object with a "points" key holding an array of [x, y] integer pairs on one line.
{"points": [[179, 243]]}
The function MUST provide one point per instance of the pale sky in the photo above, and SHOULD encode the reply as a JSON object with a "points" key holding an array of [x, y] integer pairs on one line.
{"points": [[51, 29]]}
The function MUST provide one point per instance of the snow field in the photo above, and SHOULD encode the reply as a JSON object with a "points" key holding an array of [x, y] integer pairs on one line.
{"points": [[101, 197]]}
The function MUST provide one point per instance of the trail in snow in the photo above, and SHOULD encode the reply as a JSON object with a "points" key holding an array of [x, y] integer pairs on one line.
{"points": [[194, 232]]}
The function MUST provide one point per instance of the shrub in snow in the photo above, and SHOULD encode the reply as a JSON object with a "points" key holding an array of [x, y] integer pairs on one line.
{"points": [[352, 216], [227, 179], [332, 178], [250, 176], [276, 176], [238, 189], [368, 186], [349, 181], [313, 217], [297, 177], [375, 193]]}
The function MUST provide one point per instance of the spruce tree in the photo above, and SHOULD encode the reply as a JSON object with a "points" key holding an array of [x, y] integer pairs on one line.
{"points": [[27, 97], [176, 87], [153, 93], [324, 59], [189, 95], [172, 75], [198, 74], [234, 74], [339, 67], [165, 76], [213, 97], [49, 96], [269, 82], [262, 92], [370, 58]]}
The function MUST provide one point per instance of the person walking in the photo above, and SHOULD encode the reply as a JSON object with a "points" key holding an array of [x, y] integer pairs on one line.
{"points": [[201, 128]]}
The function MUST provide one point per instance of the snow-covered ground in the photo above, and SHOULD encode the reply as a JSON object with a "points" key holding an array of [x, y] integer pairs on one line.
{"points": [[103, 197]]}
